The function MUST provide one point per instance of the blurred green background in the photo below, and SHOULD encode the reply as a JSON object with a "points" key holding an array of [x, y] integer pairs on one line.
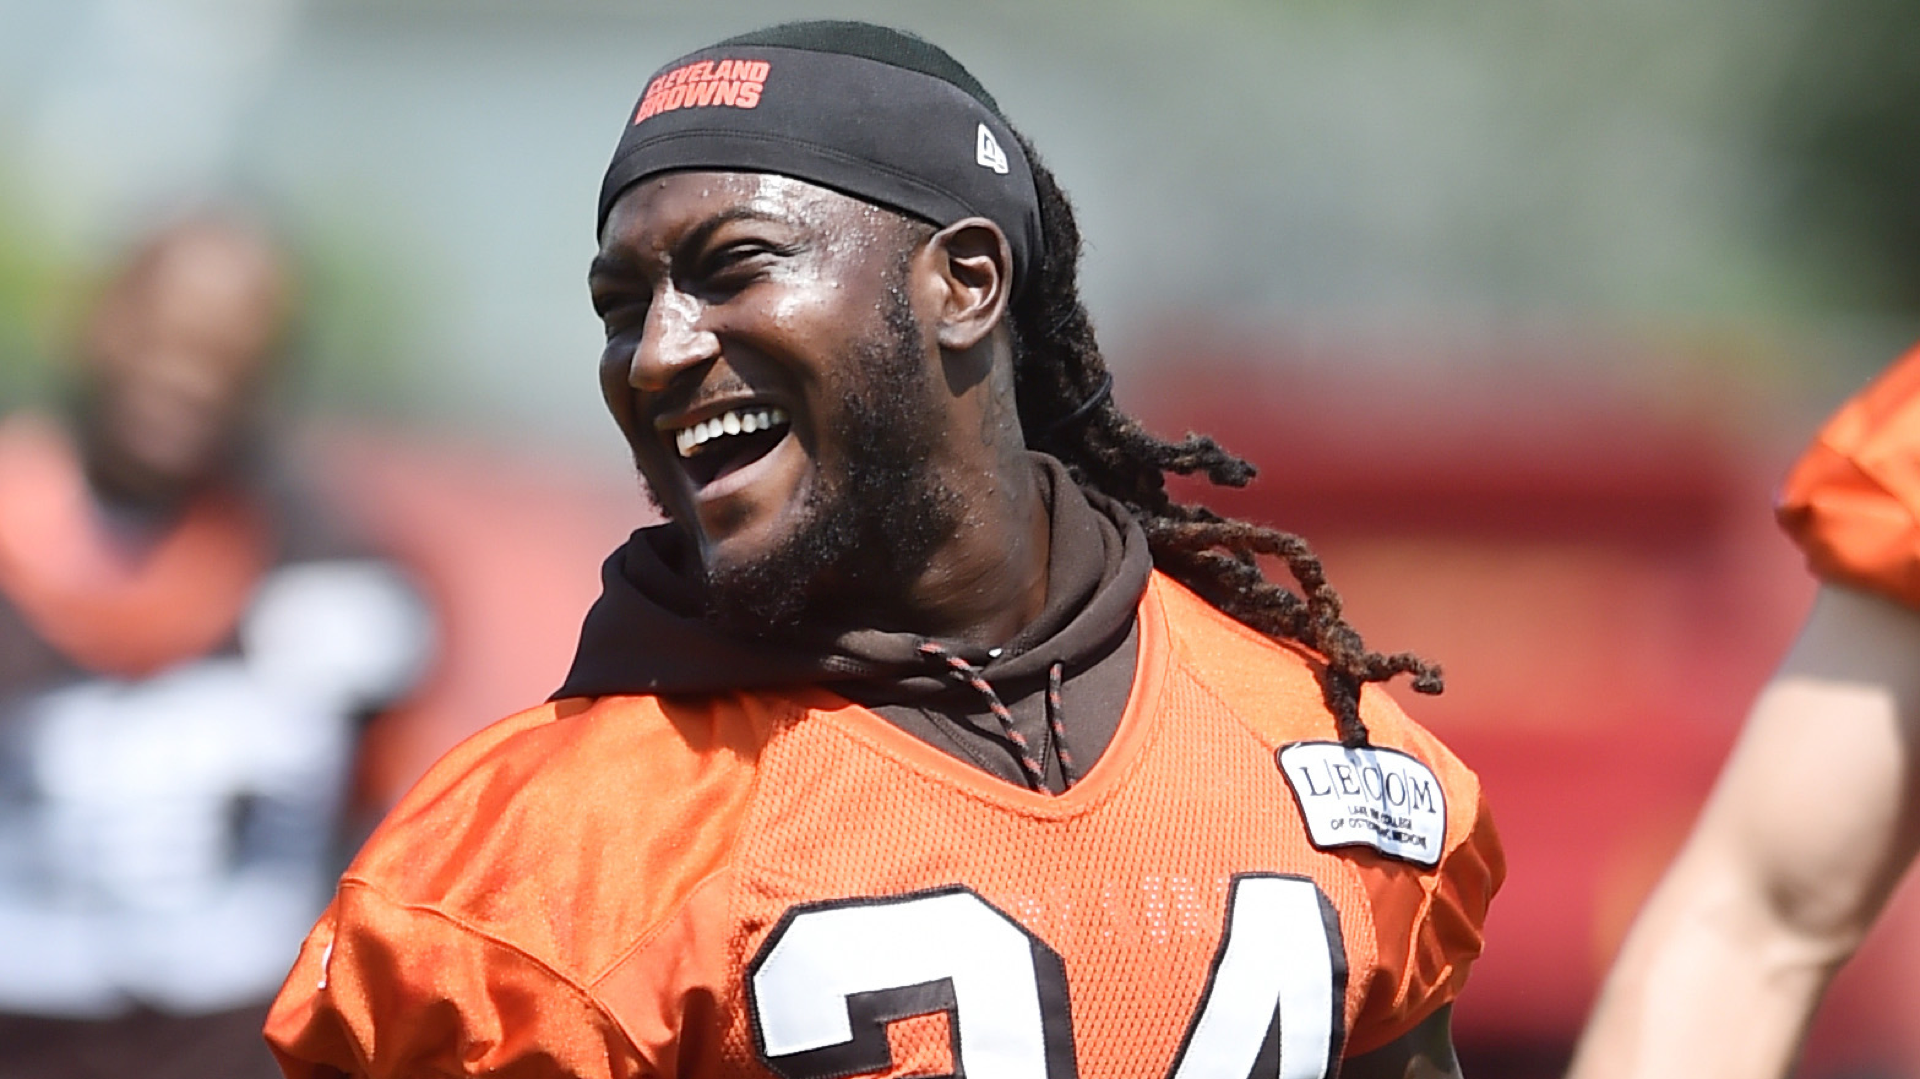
{"points": [[1734, 179]]}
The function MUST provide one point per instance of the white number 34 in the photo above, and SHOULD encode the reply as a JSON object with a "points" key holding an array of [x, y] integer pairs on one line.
{"points": [[832, 975]]}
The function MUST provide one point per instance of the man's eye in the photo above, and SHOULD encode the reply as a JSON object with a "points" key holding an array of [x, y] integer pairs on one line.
{"points": [[740, 258]]}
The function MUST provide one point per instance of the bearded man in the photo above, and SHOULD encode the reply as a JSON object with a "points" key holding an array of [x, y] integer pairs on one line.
{"points": [[929, 736]]}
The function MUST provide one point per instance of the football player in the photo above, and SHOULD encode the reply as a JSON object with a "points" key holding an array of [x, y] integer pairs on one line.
{"points": [[1812, 822], [190, 647], [930, 736]]}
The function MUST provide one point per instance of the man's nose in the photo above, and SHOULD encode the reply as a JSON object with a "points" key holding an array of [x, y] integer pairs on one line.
{"points": [[673, 340]]}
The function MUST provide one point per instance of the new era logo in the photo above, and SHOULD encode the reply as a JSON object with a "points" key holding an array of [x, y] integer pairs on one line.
{"points": [[987, 152]]}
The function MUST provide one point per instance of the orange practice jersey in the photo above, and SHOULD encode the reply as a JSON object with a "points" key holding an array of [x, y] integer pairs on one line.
{"points": [[109, 610], [1852, 502], [786, 884]]}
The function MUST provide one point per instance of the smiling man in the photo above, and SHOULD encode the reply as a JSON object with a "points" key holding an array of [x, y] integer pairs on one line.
{"points": [[929, 736]]}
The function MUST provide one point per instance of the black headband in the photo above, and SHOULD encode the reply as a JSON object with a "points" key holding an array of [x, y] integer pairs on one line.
{"points": [[888, 134]]}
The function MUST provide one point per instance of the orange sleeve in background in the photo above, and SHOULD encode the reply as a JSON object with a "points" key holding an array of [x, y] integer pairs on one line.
{"points": [[1852, 502]]}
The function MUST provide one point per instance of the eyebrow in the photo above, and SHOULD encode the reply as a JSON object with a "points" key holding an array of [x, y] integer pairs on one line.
{"points": [[617, 264]]}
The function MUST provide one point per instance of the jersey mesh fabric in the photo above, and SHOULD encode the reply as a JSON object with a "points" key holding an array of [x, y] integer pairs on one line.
{"points": [[920, 1045], [1129, 888], [1126, 876], [1852, 502]]}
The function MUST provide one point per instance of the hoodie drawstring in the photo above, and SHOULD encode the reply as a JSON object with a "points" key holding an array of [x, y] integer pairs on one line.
{"points": [[1056, 718], [974, 678]]}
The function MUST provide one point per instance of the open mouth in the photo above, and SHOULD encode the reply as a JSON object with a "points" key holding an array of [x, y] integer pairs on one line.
{"points": [[729, 441]]}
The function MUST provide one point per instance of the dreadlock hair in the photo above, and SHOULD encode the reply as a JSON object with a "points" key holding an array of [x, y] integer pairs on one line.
{"points": [[1061, 386]]}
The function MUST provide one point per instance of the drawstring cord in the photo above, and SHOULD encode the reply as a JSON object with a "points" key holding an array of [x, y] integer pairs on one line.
{"points": [[1056, 718], [974, 678]]}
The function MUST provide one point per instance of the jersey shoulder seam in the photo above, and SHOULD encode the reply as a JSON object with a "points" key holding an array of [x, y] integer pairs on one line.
{"points": [[551, 968]]}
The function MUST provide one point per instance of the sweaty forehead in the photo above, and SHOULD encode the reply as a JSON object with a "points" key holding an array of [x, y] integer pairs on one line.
{"points": [[664, 210]]}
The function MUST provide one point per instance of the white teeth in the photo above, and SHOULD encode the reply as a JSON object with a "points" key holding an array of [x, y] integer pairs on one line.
{"points": [[688, 440]]}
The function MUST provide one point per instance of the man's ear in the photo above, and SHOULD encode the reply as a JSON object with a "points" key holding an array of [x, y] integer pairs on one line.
{"points": [[972, 270]]}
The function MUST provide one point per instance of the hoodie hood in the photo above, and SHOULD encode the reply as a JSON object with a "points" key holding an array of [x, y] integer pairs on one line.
{"points": [[648, 634]]}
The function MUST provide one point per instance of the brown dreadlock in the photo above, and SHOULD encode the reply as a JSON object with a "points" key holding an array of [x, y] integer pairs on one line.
{"points": [[1058, 371]]}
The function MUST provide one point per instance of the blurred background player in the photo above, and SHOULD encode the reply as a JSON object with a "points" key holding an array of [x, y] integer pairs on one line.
{"points": [[1814, 819], [187, 647]]}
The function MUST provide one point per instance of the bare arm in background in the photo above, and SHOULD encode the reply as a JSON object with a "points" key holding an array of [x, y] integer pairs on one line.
{"points": [[1808, 830]]}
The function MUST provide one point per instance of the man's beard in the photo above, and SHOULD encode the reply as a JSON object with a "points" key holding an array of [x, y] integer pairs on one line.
{"points": [[865, 533]]}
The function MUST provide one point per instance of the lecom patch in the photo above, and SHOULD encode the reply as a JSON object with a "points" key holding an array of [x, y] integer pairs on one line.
{"points": [[1367, 796]]}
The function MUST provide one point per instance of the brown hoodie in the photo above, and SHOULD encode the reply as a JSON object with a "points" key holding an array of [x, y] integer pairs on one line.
{"points": [[648, 634]]}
